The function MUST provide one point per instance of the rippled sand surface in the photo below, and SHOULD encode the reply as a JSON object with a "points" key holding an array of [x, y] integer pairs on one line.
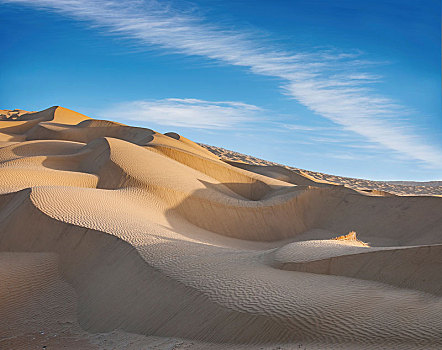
{"points": [[117, 237]]}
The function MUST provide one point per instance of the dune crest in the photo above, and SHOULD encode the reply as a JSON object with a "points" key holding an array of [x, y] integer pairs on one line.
{"points": [[139, 232]]}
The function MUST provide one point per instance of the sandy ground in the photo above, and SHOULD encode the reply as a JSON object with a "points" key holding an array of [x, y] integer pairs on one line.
{"points": [[116, 237]]}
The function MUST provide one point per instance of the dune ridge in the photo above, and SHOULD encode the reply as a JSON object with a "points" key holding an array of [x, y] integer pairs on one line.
{"points": [[138, 232], [402, 188]]}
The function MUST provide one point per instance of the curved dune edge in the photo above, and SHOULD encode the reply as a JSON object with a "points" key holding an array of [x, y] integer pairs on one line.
{"points": [[183, 245], [404, 267]]}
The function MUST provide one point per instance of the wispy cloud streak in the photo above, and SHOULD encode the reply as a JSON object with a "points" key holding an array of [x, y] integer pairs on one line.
{"points": [[188, 112], [328, 83]]}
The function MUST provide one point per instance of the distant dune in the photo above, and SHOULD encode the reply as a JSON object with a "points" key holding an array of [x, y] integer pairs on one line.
{"points": [[118, 237], [417, 183], [404, 188]]}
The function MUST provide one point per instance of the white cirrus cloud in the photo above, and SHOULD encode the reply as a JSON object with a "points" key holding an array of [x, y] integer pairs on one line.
{"points": [[328, 83], [188, 112]]}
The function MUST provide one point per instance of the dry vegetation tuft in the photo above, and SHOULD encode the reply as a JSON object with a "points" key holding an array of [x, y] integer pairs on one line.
{"points": [[351, 238]]}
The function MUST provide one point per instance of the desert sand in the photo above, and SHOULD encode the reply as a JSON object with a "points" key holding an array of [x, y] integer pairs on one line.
{"points": [[119, 237]]}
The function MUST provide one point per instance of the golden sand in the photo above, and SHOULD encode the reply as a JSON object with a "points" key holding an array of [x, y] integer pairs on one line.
{"points": [[117, 237]]}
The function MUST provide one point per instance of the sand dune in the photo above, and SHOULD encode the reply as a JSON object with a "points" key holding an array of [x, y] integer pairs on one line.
{"points": [[116, 237], [403, 188]]}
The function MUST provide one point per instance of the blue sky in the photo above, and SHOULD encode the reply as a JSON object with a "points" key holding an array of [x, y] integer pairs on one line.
{"points": [[345, 87]]}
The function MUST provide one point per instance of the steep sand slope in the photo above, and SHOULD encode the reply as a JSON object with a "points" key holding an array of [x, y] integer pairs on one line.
{"points": [[119, 229]]}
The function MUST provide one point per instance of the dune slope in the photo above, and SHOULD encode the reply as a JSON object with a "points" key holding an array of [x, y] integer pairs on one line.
{"points": [[135, 231]]}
